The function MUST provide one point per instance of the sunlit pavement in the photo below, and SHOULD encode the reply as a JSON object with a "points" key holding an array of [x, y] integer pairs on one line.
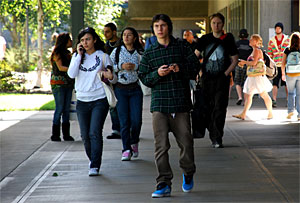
{"points": [[260, 162]]}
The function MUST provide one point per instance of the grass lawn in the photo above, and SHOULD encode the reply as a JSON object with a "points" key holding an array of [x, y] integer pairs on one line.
{"points": [[26, 102]]}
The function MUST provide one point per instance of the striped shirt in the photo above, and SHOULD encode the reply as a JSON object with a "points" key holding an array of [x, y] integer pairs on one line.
{"points": [[275, 52], [170, 93]]}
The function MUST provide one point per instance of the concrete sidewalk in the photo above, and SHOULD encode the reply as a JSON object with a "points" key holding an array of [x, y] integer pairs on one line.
{"points": [[260, 163]]}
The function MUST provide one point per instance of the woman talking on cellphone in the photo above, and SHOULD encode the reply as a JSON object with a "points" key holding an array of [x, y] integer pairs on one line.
{"points": [[92, 105]]}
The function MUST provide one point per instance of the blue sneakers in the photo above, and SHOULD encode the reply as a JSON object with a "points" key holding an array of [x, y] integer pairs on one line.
{"points": [[188, 183], [162, 190]]}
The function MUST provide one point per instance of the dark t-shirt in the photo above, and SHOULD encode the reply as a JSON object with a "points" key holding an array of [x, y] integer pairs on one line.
{"points": [[109, 46], [244, 49], [287, 51], [220, 59]]}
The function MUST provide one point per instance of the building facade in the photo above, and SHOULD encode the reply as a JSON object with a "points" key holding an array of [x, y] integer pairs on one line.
{"points": [[257, 16]]}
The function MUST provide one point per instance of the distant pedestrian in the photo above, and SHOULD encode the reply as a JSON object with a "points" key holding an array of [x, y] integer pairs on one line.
{"points": [[240, 72], [189, 37], [2, 47], [216, 75], [87, 62], [151, 40], [166, 67], [110, 33], [62, 86], [292, 77], [126, 59], [258, 84], [276, 47]]}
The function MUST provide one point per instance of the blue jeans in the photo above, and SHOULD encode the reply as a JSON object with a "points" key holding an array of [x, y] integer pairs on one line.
{"points": [[130, 106], [91, 118], [62, 97], [293, 85]]}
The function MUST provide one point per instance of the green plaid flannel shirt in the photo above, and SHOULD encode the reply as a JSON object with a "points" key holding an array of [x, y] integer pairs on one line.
{"points": [[170, 93]]}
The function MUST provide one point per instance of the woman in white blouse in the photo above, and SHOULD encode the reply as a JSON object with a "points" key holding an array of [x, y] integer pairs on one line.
{"points": [[126, 58], [92, 106]]}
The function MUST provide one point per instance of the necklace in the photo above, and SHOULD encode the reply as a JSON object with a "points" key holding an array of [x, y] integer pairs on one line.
{"points": [[111, 44]]}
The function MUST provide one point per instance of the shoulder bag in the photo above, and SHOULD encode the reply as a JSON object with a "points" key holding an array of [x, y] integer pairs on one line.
{"points": [[110, 94]]}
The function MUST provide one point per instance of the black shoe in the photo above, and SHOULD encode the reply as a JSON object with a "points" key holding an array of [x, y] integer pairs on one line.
{"points": [[55, 139], [274, 104], [113, 136], [239, 102], [68, 138]]}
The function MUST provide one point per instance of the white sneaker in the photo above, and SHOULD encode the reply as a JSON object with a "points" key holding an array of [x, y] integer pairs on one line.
{"points": [[126, 155], [93, 172], [135, 150]]}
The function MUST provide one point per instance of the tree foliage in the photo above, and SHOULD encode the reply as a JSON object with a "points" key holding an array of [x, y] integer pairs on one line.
{"points": [[97, 13]]}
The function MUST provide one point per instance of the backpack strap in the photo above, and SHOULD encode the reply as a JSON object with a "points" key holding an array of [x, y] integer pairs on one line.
{"points": [[213, 49]]}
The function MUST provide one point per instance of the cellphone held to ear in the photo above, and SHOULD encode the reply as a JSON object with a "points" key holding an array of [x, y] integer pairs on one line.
{"points": [[81, 49]]}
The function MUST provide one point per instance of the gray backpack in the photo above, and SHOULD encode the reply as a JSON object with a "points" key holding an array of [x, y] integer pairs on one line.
{"points": [[293, 62]]}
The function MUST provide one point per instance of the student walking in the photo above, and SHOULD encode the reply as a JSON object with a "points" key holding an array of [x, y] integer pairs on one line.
{"points": [[240, 72], [291, 74], [92, 106], [258, 84], [167, 67], [62, 86], [110, 34], [126, 58], [216, 69], [276, 47]]}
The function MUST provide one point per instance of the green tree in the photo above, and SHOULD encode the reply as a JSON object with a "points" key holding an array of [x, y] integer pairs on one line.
{"points": [[97, 13]]}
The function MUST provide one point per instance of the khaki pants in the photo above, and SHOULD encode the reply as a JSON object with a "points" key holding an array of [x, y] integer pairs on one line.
{"points": [[181, 127]]}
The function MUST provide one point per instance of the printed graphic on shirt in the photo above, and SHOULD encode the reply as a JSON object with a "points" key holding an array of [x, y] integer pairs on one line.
{"points": [[216, 61], [92, 68]]}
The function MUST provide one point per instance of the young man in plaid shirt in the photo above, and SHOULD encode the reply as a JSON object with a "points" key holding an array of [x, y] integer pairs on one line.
{"points": [[167, 67]]}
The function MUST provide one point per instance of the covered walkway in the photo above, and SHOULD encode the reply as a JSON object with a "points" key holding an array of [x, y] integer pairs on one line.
{"points": [[260, 162]]}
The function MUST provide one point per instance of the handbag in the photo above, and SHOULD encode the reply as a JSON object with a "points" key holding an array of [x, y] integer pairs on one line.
{"points": [[198, 113], [109, 91], [73, 112], [258, 70]]}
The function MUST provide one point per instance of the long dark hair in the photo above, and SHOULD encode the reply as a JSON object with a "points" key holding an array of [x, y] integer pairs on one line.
{"points": [[136, 45], [99, 44], [60, 49], [294, 44]]}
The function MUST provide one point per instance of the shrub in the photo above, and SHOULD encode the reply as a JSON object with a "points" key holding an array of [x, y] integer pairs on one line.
{"points": [[10, 82]]}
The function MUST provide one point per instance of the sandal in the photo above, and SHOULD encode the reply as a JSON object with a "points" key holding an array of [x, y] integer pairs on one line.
{"points": [[238, 117]]}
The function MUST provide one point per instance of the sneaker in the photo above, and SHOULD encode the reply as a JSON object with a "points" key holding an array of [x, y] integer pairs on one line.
{"points": [[113, 136], [289, 116], [162, 190], [126, 155], [93, 172], [274, 104], [217, 145], [135, 150], [239, 102], [188, 183]]}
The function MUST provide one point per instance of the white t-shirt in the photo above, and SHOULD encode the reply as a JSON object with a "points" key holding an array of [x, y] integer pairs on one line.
{"points": [[87, 83], [2, 42]]}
